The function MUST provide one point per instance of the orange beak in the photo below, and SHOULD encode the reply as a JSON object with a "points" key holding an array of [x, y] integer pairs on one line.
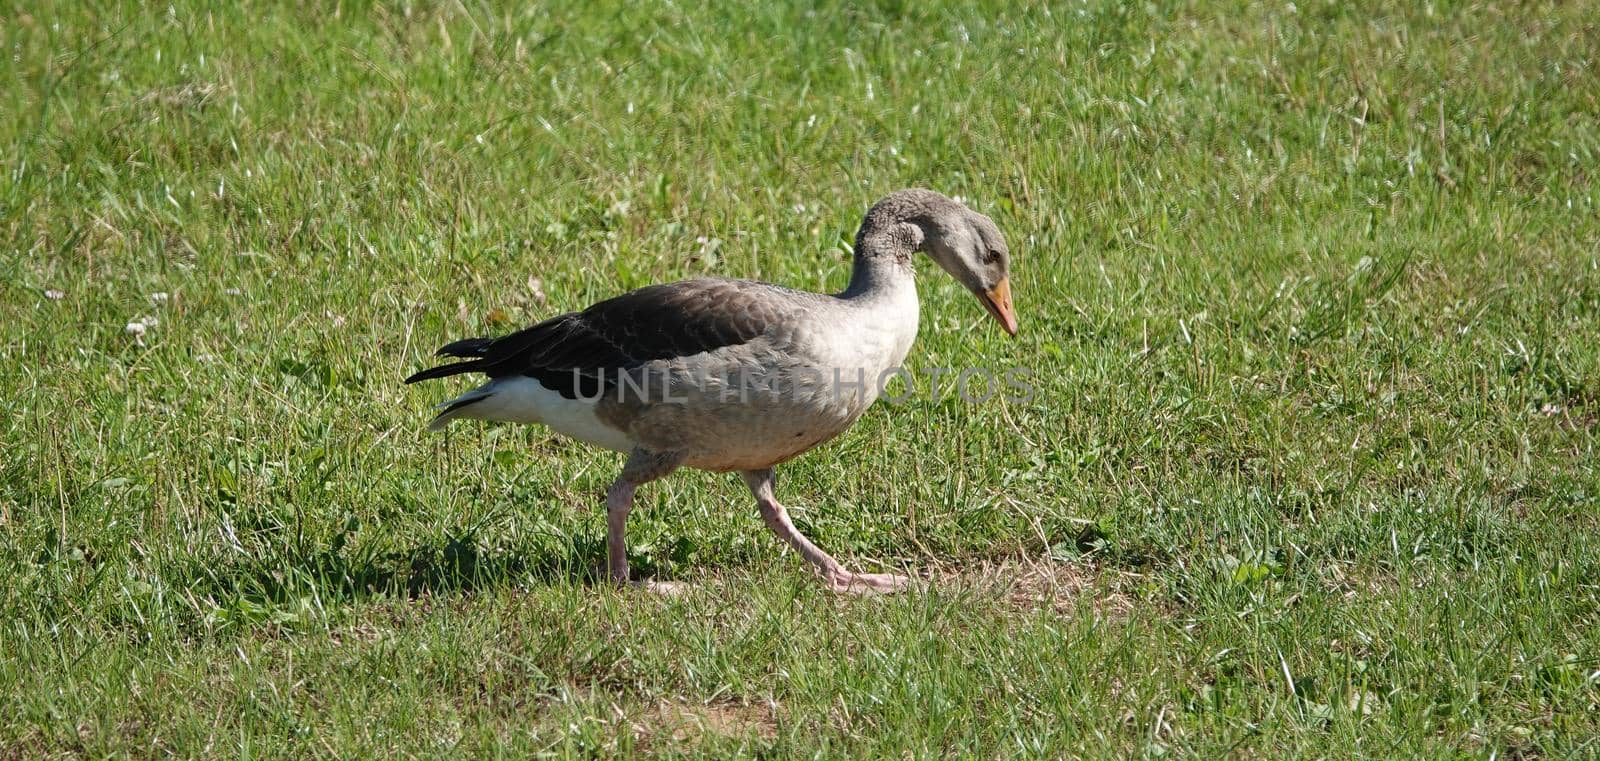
{"points": [[998, 301]]}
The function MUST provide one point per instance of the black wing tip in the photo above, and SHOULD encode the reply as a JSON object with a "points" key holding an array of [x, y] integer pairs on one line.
{"points": [[445, 371], [466, 347], [473, 349]]}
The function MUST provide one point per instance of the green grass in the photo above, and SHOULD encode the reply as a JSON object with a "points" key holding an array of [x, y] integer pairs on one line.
{"points": [[1311, 290]]}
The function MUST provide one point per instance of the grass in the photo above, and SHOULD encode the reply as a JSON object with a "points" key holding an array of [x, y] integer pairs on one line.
{"points": [[1311, 292]]}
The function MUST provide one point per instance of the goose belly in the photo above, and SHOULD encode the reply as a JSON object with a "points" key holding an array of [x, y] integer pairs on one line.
{"points": [[751, 433], [759, 411]]}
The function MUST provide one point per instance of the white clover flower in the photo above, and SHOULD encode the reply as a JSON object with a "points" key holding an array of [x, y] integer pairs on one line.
{"points": [[54, 294], [136, 331]]}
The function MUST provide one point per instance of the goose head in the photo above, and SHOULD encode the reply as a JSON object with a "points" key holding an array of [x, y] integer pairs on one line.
{"points": [[969, 246], [962, 242]]}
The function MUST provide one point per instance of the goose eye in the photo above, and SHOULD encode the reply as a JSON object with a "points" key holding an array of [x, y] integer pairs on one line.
{"points": [[991, 256]]}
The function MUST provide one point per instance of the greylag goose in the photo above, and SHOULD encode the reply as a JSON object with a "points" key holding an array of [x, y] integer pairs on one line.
{"points": [[733, 375]]}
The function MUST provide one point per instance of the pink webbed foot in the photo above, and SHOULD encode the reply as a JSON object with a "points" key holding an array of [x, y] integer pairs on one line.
{"points": [[845, 582]]}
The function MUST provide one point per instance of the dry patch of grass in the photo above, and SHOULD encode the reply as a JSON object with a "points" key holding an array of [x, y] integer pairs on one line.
{"points": [[683, 722], [1042, 583]]}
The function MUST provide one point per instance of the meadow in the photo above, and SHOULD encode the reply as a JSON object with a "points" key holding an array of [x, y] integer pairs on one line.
{"points": [[1310, 291]]}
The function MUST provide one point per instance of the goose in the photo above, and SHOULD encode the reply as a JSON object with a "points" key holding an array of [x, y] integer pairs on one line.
{"points": [[733, 375]]}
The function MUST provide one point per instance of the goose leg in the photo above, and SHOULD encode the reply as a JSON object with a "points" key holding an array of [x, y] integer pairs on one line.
{"points": [[643, 466], [837, 578], [619, 501]]}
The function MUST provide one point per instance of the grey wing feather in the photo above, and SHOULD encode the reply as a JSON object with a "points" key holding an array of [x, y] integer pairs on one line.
{"points": [[572, 353]]}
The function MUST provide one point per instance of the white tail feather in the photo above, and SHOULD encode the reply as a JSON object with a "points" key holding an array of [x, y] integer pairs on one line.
{"points": [[458, 406], [519, 399]]}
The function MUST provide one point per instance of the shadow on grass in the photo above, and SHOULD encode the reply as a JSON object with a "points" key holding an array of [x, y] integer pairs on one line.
{"points": [[277, 586]]}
